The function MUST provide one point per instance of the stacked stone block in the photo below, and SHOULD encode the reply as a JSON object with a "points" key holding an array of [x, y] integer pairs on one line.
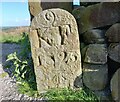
{"points": [[113, 36], [94, 56], [99, 30]]}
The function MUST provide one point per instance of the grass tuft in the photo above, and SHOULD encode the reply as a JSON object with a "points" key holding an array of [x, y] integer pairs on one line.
{"points": [[10, 38], [68, 94]]}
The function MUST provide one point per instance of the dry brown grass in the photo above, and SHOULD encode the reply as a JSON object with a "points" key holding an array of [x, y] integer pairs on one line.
{"points": [[12, 34], [13, 31]]}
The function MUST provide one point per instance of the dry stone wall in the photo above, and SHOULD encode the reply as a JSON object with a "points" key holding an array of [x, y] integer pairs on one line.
{"points": [[55, 50], [99, 15], [115, 82], [99, 35], [99, 29]]}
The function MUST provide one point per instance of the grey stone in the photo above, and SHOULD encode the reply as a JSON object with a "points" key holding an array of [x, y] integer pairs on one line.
{"points": [[83, 52], [96, 54], [104, 95], [35, 7], [57, 4], [113, 33], [95, 77], [77, 12], [99, 15], [94, 36], [115, 85], [55, 49], [114, 52]]}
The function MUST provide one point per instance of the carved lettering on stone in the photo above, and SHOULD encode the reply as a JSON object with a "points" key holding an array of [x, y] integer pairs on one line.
{"points": [[55, 49]]}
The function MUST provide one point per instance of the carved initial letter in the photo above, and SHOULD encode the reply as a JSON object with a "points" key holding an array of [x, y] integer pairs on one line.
{"points": [[64, 32]]}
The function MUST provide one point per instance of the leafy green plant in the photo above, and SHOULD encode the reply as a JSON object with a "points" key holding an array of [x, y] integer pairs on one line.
{"points": [[22, 66], [83, 95]]}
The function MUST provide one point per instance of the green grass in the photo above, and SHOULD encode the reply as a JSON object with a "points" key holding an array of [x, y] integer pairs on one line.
{"points": [[10, 38], [66, 94], [28, 88]]}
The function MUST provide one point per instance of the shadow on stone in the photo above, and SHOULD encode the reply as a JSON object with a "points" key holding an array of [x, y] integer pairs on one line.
{"points": [[112, 67], [78, 82]]}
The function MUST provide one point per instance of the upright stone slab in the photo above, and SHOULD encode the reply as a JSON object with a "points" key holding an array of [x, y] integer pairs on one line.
{"points": [[55, 49]]}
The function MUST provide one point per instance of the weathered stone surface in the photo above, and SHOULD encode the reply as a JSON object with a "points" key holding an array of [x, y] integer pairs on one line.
{"points": [[96, 54], [57, 4], [113, 33], [99, 15], [115, 85], [38, 5], [114, 52], [83, 52], [77, 12], [34, 7], [104, 95], [95, 77], [94, 36], [88, 2], [55, 49]]}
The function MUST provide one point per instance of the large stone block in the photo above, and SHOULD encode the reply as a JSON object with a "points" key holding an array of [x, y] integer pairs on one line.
{"points": [[96, 54], [66, 5], [94, 36], [95, 77], [99, 15], [114, 52], [39, 5], [113, 33], [55, 49], [34, 7], [115, 86]]}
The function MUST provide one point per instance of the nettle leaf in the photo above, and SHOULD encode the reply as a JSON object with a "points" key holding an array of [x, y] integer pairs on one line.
{"points": [[17, 71], [23, 74], [16, 62], [25, 62], [15, 75], [22, 68], [11, 56]]}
